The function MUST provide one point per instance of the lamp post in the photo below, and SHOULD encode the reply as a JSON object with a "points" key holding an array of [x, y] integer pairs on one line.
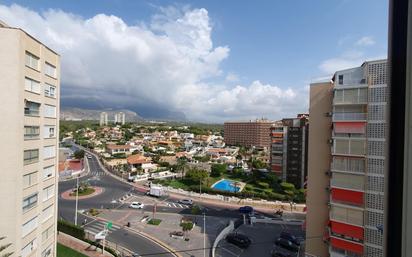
{"points": [[77, 200], [204, 234]]}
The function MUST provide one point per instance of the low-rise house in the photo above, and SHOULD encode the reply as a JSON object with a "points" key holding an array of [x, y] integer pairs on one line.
{"points": [[140, 162], [115, 149]]}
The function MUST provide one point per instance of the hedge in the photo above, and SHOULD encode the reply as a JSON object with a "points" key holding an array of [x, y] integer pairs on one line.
{"points": [[71, 229]]}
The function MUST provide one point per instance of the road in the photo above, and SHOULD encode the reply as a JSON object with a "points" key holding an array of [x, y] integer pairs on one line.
{"points": [[114, 189]]}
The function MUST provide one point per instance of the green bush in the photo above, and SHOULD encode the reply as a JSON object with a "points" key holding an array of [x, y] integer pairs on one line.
{"points": [[186, 226], [155, 222], [263, 184], [70, 229], [287, 186]]}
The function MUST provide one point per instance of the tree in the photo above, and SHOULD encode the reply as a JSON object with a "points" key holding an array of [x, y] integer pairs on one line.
{"points": [[196, 175], [218, 170], [78, 154], [3, 247]]}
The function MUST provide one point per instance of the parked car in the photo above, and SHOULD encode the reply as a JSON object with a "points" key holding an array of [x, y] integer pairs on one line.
{"points": [[280, 252], [89, 156], [289, 236], [136, 205], [186, 201], [239, 240], [246, 210], [286, 244]]}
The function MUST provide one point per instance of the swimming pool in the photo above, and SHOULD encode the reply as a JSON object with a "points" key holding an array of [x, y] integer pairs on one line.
{"points": [[226, 185]]}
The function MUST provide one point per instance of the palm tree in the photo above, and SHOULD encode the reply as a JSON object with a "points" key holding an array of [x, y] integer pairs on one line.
{"points": [[3, 247]]}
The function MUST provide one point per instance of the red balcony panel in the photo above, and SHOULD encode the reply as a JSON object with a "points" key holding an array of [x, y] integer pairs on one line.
{"points": [[346, 245], [347, 230], [347, 196], [350, 127], [277, 168]]}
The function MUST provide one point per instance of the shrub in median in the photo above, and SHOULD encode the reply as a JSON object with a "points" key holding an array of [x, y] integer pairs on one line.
{"points": [[70, 229], [155, 222]]}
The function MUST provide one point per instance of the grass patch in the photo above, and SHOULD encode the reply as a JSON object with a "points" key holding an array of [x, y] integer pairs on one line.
{"points": [[88, 191], [155, 222], [64, 251]]}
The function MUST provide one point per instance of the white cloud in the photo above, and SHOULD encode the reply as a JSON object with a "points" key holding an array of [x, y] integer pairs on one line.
{"points": [[163, 63], [365, 41], [232, 77], [347, 60]]}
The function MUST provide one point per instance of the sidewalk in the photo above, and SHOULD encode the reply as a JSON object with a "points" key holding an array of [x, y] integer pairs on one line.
{"points": [[80, 246]]}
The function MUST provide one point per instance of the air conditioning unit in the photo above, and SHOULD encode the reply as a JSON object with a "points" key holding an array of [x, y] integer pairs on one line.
{"points": [[330, 141], [328, 173], [327, 188], [328, 114]]}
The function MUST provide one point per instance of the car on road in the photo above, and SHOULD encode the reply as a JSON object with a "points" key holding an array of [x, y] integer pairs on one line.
{"points": [[186, 201], [246, 210], [239, 239], [88, 156], [289, 236], [286, 244], [136, 205]]}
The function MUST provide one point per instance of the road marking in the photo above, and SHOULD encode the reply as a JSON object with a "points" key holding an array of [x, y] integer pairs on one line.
{"points": [[98, 226], [232, 253]]}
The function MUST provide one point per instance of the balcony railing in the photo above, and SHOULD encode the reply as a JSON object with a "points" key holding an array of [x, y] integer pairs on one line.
{"points": [[349, 116], [348, 164]]}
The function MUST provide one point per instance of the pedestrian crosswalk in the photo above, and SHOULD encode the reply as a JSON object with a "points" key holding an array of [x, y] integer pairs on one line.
{"points": [[96, 226], [177, 205]]}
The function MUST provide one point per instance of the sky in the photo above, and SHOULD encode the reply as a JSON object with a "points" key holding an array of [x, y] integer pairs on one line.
{"points": [[205, 60]]}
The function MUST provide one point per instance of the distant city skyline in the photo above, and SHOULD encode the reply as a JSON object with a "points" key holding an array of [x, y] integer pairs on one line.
{"points": [[204, 60]]}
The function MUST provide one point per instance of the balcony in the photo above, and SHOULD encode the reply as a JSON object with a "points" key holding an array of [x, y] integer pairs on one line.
{"points": [[348, 181], [352, 249], [355, 147], [351, 96], [355, 165], [349, 116]]}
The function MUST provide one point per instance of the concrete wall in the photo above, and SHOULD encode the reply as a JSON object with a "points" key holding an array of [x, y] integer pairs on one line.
{"points": [[318, 163]]}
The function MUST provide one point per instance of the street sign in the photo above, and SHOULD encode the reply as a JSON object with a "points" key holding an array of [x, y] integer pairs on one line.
{"points": [[101, 235], [109, 225]]}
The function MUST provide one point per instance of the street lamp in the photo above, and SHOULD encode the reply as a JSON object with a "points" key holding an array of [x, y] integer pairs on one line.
{"points": [[204, 234], [77, 199]]}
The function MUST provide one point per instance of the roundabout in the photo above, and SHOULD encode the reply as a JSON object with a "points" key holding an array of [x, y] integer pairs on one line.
{"points": [[90, 192]]}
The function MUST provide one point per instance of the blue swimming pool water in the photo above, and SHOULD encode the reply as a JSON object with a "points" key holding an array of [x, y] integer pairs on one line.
{"points": [[226, 185]]}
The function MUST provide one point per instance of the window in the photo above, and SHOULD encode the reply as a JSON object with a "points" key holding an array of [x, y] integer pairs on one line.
{"points": [[32, 61], [29, 202], [31, 108], [31, 132], [31, 156], [49, 232], [32, 85], [29, 226], [50, 70], [48, 193], [49, 152], [48, 172], [49, 111], [29, 179], [30, 247], [49, 131], [47, 252], [47, 213], [50, 90], [340, 78]]}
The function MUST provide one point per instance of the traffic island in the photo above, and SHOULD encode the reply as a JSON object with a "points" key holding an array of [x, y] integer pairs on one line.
{"points": [[90, 192]]}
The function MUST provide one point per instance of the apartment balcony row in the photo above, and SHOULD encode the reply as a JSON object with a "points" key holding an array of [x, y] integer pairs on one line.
{"points": [[348, 164], [351, 96], [349, 116], [348, 181], [345, 248]]}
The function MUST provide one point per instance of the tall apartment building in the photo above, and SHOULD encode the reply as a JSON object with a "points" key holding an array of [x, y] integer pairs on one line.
{"points": [[357, 163], [248, 133], [29, 103], [288, 153], [103, 119], [120, 118]]}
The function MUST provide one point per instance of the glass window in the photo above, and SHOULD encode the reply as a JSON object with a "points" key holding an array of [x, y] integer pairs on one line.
{"points": [[29, 179], [48, 193], [31, 156], [50, 90], [31, 108], [29, 248], [32, 85], [31, 132], [29, 202], [50, 70], [47, 213], [49, 111], [48, 172], [49, 151], [49, 131], [49, 232], [29, 226], [32, 61]]}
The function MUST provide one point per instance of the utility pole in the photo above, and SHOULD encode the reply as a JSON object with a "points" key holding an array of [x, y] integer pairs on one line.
{"points": [[204, 235], [200, 186], [77, 200]]}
